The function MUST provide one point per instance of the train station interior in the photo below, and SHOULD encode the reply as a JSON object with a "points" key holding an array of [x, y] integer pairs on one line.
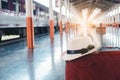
{"points": [[59, 39]]}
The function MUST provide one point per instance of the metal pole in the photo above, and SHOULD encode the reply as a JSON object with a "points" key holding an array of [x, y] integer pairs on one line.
{"points": [[0, 4], [69, 6], [60, 21], [29, 23], [17, 6], [117, 34], [110, 31], [66, 7], [119, 29], [112, 17], [66, 23]]}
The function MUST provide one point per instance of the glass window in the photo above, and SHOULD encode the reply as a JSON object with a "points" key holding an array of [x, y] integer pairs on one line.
{"points": [[14, 0], [4, 5], [13, 7]]}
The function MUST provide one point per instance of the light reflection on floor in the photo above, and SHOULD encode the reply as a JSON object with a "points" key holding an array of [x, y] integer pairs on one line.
{"points": [[111, 38], [42, 63]]}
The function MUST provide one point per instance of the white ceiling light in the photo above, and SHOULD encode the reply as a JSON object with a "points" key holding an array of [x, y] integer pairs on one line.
{"points": [[95, 12], [84, 14]]}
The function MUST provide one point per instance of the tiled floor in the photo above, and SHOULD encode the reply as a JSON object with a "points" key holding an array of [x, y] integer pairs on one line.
{"points": [[17, 62]]}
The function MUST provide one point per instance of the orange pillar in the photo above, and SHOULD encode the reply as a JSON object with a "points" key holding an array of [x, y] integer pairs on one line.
{"points": [[76, 29], [51, 20], [51, 29], [67, 27], [29, 23], [60, 24]]}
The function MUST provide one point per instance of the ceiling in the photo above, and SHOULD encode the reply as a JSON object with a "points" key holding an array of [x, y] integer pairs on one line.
{"points": [[104, 5]]}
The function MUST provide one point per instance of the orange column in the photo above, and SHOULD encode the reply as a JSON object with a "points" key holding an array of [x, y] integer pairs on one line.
{"points": [[29, 23], [60, 24], [51, 29], [51, 22], [76, 29], [67, 27]]}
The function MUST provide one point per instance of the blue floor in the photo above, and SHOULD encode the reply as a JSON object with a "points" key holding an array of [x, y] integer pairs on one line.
{"points": [[17, 62]]}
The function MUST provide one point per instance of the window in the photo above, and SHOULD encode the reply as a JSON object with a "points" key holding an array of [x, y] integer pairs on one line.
{"points": [[14, 7], [14, 0], [4, 5]]}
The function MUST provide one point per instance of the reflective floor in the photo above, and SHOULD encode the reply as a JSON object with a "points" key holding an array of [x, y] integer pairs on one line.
{"points": [[111, 38], [17, 62]]}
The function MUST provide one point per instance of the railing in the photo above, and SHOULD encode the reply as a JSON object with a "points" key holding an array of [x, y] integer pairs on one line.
{"points": [[12, 13]]}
